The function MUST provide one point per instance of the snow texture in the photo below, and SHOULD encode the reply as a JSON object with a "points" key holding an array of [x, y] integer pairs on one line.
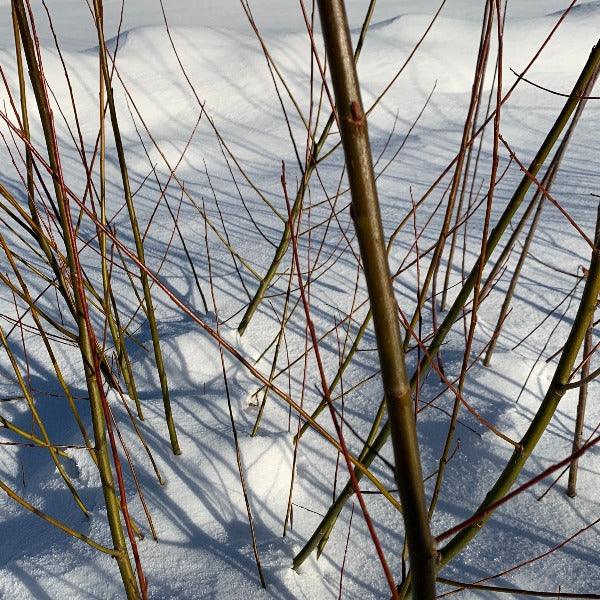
{"points": [[203, 548]]}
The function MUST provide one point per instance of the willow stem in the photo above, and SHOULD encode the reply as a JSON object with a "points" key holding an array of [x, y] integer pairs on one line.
{"points": [[366, 215]]}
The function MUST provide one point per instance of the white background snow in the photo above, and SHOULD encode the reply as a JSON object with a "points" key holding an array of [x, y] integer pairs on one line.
{"points": [[204, 547]]}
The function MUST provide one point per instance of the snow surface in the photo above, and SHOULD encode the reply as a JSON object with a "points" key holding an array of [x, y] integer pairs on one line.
{"points": [[204, 547]]}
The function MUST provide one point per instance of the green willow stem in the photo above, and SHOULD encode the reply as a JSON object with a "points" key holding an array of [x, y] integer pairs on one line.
{"points": [[366, 215], [41, 239], [56, 523], [40, 423], [107, 301], [48, 346], [4, 422], [580, 415], [454, 312], [139, 246], [87, 341], [313, 159], [544, 414], [539, 201]]}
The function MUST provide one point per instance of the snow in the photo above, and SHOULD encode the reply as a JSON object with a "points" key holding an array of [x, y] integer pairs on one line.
{"points": [[203, 548]]}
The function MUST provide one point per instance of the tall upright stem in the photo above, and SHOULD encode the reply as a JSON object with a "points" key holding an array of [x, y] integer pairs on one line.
{"points": [[371, 451], [87, 339], [139, 245], [366, 214], [431, 275]]}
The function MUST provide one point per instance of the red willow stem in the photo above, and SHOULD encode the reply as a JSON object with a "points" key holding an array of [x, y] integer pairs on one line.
{"points": [[520, 592], [87, 338], [490, 508], [379, 440], [190, 312], [529, 561], [546, 193], [327, 395]]}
